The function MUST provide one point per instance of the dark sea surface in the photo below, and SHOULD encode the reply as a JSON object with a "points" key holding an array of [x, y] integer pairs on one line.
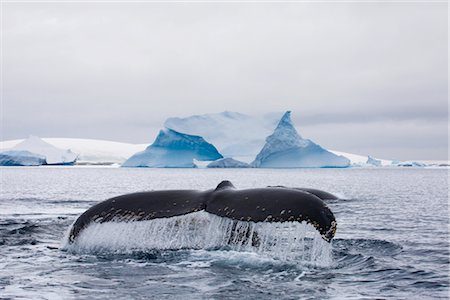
{"points": [[392, 240]]}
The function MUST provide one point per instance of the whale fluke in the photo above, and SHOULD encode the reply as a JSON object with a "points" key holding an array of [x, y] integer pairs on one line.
{"points": [[270, 204]]}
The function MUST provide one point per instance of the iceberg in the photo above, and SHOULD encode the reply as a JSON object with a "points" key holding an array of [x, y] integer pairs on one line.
{"points": [[21, 158], [234, 134], [240, 136], [228, 163], [173, 149], [373, 161], [408, 164], [285, 148], [51, 154]]}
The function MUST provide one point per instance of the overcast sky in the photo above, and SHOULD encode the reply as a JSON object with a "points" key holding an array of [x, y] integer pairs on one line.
{"points": [[367, 78]]}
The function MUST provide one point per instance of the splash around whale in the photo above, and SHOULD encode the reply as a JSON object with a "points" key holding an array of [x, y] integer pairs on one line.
{"points": [[230, 207]]}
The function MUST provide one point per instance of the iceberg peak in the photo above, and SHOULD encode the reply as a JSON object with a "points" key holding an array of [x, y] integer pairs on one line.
{"points": [[285, 148], [285, 136], [285, 120]]}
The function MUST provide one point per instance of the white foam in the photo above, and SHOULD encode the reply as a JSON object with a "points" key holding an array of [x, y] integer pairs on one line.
{"points": [[289, 241]]}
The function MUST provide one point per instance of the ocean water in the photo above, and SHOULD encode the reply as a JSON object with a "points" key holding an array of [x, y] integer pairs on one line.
{"points": [[392, 238]]}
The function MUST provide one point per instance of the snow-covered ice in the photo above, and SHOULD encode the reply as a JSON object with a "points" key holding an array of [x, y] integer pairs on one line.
{"points": [[232, 133], [360, 160], [90, 151], [40, 148]]}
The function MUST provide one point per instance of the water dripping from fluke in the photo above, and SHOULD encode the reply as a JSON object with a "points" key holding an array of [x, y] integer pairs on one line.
{"points": [[288, 241]]}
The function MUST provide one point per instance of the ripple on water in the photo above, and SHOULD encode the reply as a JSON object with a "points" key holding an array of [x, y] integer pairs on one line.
{"points": [[392, 239]]}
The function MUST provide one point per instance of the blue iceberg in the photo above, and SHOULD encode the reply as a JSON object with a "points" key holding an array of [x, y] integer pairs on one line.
{"points": [[21, 158], [285, 148], [173, 149]]}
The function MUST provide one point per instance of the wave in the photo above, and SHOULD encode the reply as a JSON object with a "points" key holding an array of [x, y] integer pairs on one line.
{"points": [[368, 246], [18, 233]]}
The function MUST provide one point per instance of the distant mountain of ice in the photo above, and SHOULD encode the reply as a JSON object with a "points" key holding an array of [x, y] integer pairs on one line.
{"points": [[40, 148], [285, 148], [92, 151], [104, 152], [234, 134], [173, 149], [89, 151], [21, 158]]}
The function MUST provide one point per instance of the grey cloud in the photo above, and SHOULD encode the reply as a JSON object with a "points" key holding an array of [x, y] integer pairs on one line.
{"points": [[118, 70], [400, 114]]}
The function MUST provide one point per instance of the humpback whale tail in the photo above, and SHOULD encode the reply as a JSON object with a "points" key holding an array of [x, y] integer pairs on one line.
{"points": [[270, 204]]}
